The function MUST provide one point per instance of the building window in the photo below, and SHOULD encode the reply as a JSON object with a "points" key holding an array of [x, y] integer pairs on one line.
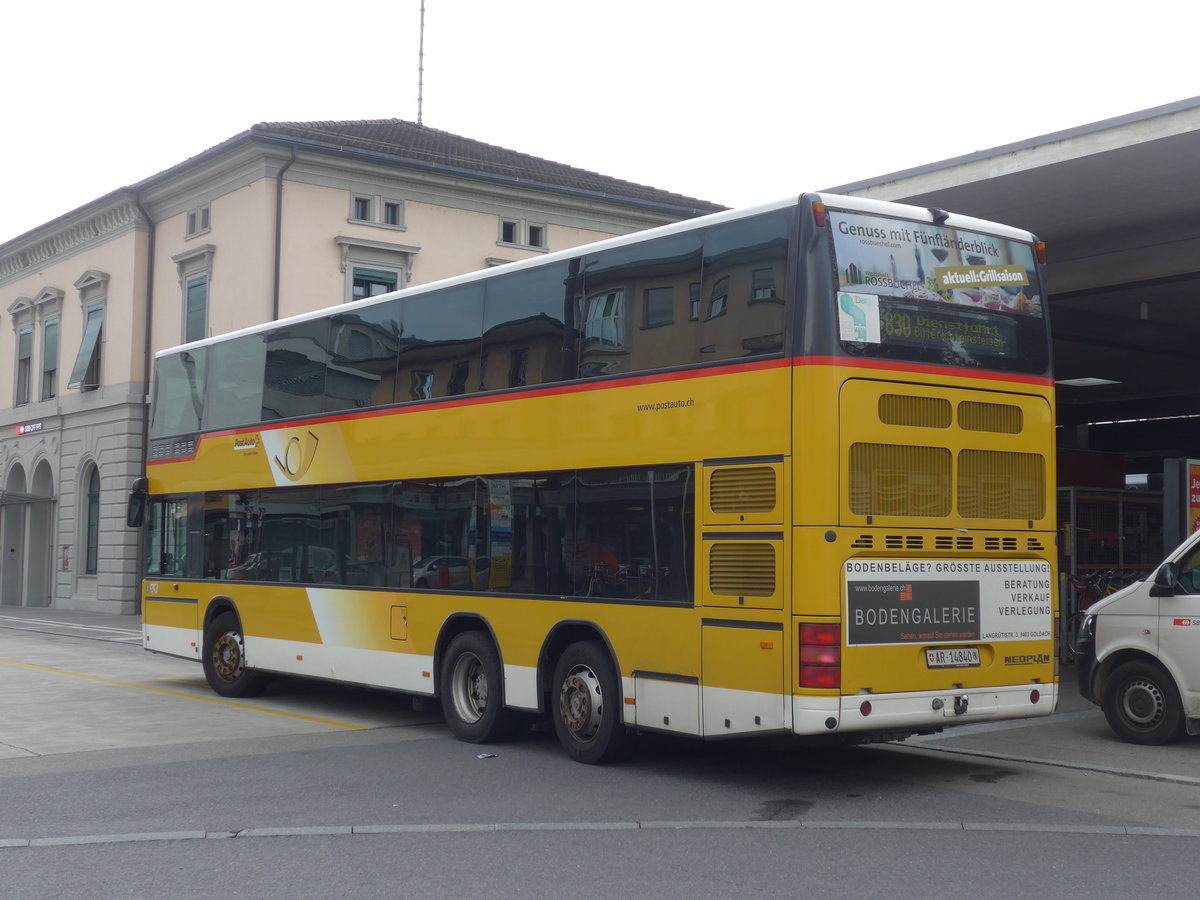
{"points": [[197, 221], [762, 285], [360, 210], [85, 374], [195, 314], [24, 364], [49, 359], [393, 213], [373, 267], [195, 279], [91, 525], [720, 296], [605, 319], [519, 233], [660, 306], [372, 283]]}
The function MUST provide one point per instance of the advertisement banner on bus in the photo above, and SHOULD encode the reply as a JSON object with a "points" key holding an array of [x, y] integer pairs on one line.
{"points": [[896, 601]]}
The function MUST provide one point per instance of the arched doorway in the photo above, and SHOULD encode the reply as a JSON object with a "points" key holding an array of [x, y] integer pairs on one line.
{"points": [[12, 539]]}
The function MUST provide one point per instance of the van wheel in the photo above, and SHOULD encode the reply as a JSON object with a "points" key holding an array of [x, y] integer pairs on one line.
{"points": [[224, 659], [586, 706], [1142, 704], [472, 686]]}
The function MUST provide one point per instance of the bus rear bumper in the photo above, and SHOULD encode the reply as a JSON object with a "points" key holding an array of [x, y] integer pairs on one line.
{"points": [[920, 710]]}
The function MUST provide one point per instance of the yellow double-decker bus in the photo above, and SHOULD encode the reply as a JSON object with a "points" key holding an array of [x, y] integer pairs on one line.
{"points": [[780, 471]]}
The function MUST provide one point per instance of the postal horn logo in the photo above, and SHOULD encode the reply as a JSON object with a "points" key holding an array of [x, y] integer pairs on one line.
{"points": [[298, 456]]}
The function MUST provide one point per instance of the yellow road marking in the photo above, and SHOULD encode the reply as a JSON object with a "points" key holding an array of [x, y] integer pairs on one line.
{"points": [[170, 693]]}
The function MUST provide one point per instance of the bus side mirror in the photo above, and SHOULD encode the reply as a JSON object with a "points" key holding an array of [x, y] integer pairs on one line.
{"points": [[1164, 581], [135, 513]]}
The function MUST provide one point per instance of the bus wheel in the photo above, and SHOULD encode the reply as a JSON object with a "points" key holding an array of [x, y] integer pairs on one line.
{"points": [[587, 709], [224, 659], [472, 692], [1142, 704]]}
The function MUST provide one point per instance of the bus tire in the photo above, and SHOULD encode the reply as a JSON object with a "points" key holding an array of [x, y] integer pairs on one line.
{"points": [[224, 659], [472, 687], [1142, 705], [586, 705]]}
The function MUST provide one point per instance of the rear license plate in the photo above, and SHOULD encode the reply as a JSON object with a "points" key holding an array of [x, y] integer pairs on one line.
{"points": [[952, 657]]}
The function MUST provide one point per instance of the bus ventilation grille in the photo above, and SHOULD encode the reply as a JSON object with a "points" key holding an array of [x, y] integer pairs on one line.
{"points": [[743, 489], [944, 542], [918, 412], [742, 569], [998, 418], [953, 542]]}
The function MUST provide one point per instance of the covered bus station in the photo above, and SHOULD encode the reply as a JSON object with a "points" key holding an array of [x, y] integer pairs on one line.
{"points": [[1118, 204]]}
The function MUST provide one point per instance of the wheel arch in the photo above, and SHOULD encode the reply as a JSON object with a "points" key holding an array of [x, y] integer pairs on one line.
{"points": [[1114, 661], [456, 624], [218, 605], [561, 636]]}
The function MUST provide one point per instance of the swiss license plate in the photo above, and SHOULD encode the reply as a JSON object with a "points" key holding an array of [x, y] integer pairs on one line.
{"points": [[952, 657]]}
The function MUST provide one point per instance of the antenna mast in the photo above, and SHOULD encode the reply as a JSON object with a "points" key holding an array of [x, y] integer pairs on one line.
{"points": [[421, 67]]}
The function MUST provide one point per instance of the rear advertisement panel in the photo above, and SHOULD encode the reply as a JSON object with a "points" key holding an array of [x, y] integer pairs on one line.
{"points": [[907, 601]]}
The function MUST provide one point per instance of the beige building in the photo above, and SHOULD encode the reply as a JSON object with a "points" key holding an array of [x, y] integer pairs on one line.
{"points": [[281, 219]]}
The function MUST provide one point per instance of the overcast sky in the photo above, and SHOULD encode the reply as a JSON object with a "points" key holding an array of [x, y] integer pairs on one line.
{"points": [[733, 102]]}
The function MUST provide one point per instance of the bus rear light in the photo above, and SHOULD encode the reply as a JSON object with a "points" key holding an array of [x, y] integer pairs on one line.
{"points": [[1035, 695], [865, 708], [1039, 250], [819, 215], [824, 635], [820, 655], [820, 677]]}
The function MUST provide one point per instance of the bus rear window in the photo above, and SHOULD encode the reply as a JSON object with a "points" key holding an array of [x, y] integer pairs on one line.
{"points": [[925, 293]]}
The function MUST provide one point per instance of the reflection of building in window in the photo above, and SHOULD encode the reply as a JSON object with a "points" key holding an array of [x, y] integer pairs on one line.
{"points": [[720, 297], [458, 378], [422, 385], [518, 365], [763, 284], [660, 306], [614, 533], [694, 301], [605, 319]]}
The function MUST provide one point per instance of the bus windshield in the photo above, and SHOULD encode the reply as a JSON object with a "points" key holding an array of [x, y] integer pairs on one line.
{"points": [[920, 292]]}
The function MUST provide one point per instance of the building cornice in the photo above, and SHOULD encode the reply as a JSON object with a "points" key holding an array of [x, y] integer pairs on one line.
{"points": [[88, 226]]}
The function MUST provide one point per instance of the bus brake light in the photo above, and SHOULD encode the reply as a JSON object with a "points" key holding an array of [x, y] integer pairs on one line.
{"points": [[820, 655]]}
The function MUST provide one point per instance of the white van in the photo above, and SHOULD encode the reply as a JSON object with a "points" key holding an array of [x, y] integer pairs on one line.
{"points": [[1139, 652]]}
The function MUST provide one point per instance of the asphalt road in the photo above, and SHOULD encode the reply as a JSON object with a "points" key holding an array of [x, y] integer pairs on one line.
{"points": [[122, 775]]}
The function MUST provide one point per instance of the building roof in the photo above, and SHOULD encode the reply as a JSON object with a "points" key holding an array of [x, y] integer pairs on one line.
{"points": [[417, 146]]}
